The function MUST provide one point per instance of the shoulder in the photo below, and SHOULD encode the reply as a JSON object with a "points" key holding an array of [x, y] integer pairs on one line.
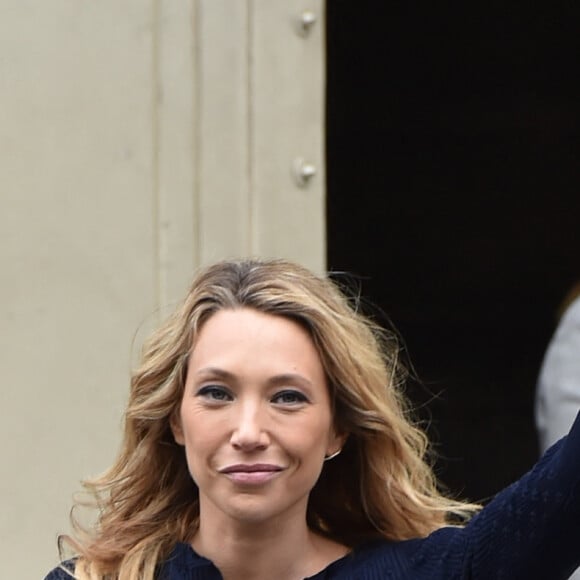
{"points": [[572, 313], [63, 572], [437, 556], [566, 335]]}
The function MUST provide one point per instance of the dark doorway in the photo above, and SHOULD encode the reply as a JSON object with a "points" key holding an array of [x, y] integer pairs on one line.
{"points": [[454, 193]]}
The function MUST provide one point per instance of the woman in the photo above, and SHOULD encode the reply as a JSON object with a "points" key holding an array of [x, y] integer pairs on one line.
{"points": [[266, 436]]}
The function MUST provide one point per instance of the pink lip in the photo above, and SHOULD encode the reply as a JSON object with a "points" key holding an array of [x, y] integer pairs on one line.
{"points": [[251, 474], [250, 468]]}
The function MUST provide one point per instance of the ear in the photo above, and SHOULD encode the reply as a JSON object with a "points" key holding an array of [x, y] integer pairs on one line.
{"points": [[176, 428], [336, 442]]}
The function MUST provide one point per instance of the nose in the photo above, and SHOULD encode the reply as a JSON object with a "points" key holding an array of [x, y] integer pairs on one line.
{"points": [[249, 432]]}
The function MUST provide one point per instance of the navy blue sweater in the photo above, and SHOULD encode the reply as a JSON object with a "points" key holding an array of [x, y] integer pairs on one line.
{"points": [[530, 531]]}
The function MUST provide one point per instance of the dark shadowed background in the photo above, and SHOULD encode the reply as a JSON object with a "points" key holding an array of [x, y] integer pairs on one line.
{"points": [[453, 192]]}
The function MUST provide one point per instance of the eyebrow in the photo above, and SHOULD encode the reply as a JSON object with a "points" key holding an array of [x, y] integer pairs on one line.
{"points": [[290, 378], [276, 380], [215, 372]]}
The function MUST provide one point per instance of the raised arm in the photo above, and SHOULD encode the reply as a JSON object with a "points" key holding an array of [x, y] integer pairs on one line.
{"points": [[531, 530]]}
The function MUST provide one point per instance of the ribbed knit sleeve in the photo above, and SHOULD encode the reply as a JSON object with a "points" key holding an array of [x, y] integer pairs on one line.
{"points": [[531, 530]]}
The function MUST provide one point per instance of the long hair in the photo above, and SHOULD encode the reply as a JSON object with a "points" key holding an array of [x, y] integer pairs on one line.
{"points": [[381, 485]]}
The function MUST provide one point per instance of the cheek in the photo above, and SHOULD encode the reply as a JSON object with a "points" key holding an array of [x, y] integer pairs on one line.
{"points": [[312, 441], [199, 439], [198, 426], [198, 456], [199, 442]]}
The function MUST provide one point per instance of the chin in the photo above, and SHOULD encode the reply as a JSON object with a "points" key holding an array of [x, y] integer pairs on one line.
{"points": [[257, 511]]}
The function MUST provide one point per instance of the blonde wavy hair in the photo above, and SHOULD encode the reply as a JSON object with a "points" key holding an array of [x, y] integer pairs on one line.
{"points": [[381, 485]]}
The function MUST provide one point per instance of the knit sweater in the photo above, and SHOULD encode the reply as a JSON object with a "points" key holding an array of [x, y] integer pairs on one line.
{"points": [[530, 531]]}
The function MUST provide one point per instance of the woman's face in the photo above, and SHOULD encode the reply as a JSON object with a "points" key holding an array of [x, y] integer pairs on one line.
{"points": [[255, 418]]}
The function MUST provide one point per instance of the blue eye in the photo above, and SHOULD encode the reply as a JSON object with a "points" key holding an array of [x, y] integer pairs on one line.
{"points": [[289, 398], [215, 393]]}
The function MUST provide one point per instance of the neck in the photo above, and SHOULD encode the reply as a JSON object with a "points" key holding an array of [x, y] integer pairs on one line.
{"points": [[285, 550]]}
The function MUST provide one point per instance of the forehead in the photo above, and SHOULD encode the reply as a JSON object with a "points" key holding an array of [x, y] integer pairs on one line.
{"points": [[251, 339], [230, 327]]}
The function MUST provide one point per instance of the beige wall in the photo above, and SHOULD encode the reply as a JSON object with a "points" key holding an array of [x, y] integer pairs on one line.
{"points": [[137, 141]]}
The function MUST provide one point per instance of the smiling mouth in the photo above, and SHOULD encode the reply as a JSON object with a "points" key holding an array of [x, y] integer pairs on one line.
{"points": [[255, 474]]}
